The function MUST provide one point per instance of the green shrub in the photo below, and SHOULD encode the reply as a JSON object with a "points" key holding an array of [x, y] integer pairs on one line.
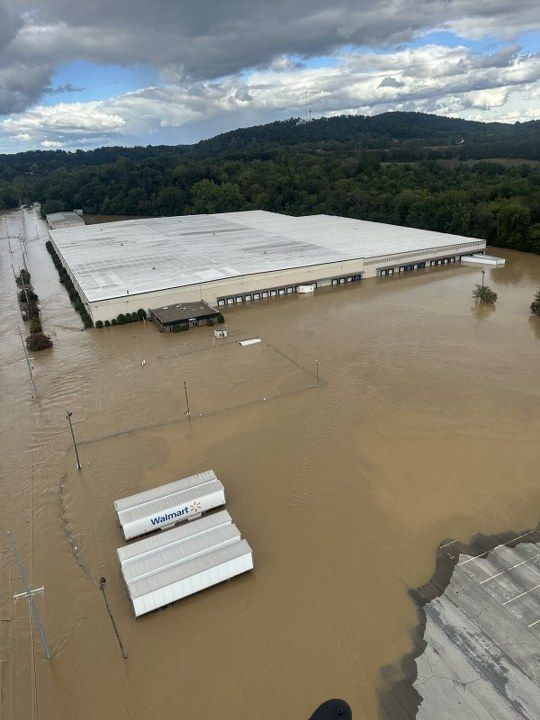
{"points": [[87, 321], [38, 341], [107, 323], [27, 295], [35, 325], [184, 327], [79, 307], [32, 311], [121, 319], [141, 313], [23, 278], [99, 324], [485, 295], [220, 318], [114, 321], [535, 305], [50, 247]]}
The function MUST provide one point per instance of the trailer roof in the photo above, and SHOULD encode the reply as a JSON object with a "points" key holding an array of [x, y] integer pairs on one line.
{"points": [[187, 568], [130, 257], [163, 540], [157, 493]]}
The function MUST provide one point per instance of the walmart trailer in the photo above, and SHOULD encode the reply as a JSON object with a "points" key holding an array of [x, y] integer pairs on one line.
{"points": [[167, 505], [169, 566]]}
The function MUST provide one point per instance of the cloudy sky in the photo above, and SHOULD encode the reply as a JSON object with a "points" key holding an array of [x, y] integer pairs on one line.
{"points": [[140, 72]]}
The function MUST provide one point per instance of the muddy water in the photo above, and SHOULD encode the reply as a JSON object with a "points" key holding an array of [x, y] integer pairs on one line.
{"points": [[425, 425]]}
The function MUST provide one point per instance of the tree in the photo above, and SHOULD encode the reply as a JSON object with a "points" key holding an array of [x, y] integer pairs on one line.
{"points": [[38, 341], [27, 295], [535, 305], [484, 295]]}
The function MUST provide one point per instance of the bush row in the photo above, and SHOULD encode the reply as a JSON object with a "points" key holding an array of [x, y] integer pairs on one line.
{"points": [[123, 318], [68, 284], [28, 300]]}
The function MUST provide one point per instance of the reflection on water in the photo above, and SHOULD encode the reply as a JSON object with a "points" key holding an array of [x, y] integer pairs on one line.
{"points": [[425, 426], [534, 323], [482, 311]]}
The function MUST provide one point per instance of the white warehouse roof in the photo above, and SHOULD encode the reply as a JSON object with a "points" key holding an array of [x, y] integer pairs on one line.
{"points": [[168, 504], [112, 260], [170, 565]]}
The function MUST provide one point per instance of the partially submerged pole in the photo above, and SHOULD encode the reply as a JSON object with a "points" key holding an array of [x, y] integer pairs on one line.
{"points": [[188, 411], [29, 592], [34, 396], [102, 583], [68, 416]]}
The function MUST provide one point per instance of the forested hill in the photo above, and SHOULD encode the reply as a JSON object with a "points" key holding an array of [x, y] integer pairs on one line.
{"points": [[426, 171], [380, 132]]}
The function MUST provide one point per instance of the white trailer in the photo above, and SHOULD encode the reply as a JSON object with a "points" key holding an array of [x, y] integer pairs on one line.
{"points": [[167, 505], [166, 567]]}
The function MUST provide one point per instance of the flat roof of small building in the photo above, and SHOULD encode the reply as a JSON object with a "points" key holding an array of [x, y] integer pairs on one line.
{"points": [[182, 312], [129, 257], [59, 219]]}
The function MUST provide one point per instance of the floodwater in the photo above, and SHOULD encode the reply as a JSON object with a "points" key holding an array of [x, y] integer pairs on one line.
{"points": [[425, 426]]}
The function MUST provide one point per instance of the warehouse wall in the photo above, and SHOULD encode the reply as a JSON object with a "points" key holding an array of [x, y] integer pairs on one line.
{"points": [[109, 309]]}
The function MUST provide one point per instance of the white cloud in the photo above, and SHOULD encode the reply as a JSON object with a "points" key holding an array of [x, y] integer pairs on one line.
{"points": [[51, 144], [22, 137], [431, 78]]}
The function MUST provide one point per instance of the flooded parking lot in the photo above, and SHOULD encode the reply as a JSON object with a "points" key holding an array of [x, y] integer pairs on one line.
{"points": [[424, 426]]}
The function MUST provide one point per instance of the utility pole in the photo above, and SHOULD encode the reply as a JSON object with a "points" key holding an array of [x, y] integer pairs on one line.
{"points": [[187, 400], [68, 417], [483, 273], [34, 397], [102, 583], [29, 592]]}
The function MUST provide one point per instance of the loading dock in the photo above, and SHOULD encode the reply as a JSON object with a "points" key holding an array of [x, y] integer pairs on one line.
{"points": [[164, 506]]}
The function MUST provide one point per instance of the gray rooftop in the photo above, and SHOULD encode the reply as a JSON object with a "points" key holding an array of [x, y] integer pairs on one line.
{"points": [[182, 312], [65, 219], [482, 652], [138, 256]]}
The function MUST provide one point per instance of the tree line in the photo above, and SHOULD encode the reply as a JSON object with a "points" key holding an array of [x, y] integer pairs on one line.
{"points": [[399, 168]]}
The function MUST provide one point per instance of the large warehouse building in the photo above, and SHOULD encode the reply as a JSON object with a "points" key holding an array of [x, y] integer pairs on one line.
{"points": [[237, 257]]}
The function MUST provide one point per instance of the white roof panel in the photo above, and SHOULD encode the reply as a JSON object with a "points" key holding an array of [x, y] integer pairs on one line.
{"points": [[115, 259]]}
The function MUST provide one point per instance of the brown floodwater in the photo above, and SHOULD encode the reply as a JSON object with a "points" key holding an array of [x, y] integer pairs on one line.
{"points": [[425, 426]]}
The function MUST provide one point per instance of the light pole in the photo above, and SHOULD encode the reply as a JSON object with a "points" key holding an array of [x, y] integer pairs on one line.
{"points": [[34, 396], [187, 400], [68, 416]]}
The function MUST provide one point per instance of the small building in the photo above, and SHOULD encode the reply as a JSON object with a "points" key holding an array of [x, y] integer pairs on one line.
{"points": [[166, 567], [221, 332], [61, 220], [169, 504], [170, 317]]}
